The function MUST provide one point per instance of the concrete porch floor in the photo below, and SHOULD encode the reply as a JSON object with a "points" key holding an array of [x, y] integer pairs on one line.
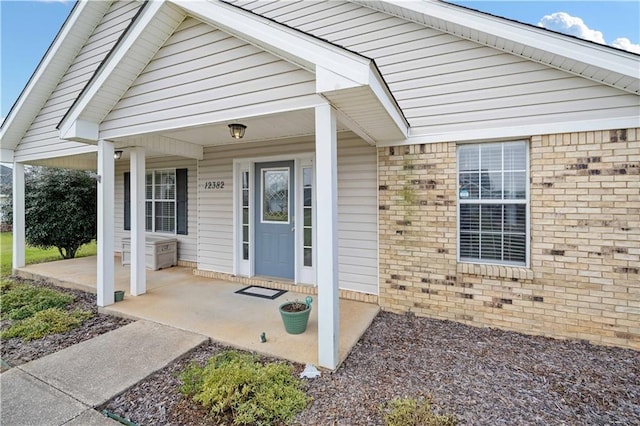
{"points": [[177, 298]]}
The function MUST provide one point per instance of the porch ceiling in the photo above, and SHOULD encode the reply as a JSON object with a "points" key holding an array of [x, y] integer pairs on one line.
{"points": [[262, 128]]}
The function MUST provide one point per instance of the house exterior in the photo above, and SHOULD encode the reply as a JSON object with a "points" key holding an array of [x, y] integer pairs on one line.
{"points": [[419, 155]]}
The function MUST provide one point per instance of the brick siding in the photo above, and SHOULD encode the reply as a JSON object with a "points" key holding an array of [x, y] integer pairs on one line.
{"points": [[584, 275]]}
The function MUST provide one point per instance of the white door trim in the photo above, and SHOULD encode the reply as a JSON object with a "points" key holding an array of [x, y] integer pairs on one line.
{"points": [[303, 274]]}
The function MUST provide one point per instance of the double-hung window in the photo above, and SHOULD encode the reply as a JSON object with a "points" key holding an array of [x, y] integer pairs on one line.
{"points": [[166, 201], [160, 194], [493, 192]]}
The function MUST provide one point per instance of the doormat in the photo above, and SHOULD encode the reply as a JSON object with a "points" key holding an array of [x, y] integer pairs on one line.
{"points": [[264, 292]]}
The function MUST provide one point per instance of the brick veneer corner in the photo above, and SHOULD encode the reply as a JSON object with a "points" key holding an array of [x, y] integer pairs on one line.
{"points": [[584, 276]]}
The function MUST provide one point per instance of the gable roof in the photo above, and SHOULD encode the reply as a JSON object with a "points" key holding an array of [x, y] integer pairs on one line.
{"points": [[599, 63], [337, 69], [77, 28], [610, 66]]}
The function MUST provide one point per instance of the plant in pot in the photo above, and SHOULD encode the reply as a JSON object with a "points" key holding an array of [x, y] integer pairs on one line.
{"points": [[295, 315]]}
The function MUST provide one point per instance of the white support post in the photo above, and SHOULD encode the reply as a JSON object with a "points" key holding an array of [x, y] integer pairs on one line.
{"points": [[327, 237], [18, 216], [138, 283], [106, 267]]}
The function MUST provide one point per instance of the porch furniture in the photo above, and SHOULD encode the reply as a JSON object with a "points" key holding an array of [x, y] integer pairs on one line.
{"points": [[160, 252]]}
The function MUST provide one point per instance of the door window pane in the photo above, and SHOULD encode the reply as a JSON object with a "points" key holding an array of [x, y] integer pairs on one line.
{"points": [[275, 195]]}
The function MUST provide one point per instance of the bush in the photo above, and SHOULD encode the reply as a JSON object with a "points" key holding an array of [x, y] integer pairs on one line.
{"points": [[23, 301], [43, 323], [414, 412], [236, 384], [5, 285], [60, 209]]}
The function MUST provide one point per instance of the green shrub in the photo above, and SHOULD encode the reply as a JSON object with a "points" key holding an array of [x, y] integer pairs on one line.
{"points": [[414, 412], [43, 323], [23, 301], [6, 285], [237, 384]]}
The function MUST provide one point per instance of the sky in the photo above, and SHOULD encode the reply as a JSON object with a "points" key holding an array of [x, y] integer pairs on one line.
{"points": [[27, 28]]}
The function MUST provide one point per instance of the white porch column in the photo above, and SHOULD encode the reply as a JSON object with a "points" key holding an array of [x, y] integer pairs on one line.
{"points": [[138, 283], [327, 237], [106, 173], [18, 216]]}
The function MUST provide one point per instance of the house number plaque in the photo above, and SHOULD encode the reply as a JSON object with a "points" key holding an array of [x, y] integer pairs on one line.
{"points": [[213, 184]]}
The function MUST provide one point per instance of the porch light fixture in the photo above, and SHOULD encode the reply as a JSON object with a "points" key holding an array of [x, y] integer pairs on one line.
{"points": [[117, 155], [237, 130]]}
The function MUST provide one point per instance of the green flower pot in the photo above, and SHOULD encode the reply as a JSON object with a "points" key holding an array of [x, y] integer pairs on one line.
{"points": [[118, 296], [295, 322]]}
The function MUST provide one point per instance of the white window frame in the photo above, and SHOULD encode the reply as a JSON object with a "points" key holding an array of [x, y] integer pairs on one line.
{"points": [[526, 202], [153, 201]]}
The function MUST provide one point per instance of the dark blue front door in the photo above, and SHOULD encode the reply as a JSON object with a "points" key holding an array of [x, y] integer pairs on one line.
{"points": [[275, 251]]}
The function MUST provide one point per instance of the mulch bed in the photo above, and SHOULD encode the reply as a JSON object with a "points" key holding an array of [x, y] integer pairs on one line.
{"points": [[16, 351], [483, 376]]}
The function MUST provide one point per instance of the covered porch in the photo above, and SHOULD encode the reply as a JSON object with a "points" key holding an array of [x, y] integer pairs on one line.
{"points": [[155, 103], [178, 298]]}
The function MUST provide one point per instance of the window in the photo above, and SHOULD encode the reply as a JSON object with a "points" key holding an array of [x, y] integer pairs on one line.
{"points": [[307, 182], [166, 201], [245, 215], [492, 209], [275, 195], [160, 190]]}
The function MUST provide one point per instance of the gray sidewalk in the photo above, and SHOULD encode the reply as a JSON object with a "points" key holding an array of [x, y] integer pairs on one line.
{"points": [[64, 387]]}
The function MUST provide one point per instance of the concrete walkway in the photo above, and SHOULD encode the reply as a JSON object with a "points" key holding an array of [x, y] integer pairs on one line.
{"points": [[64, 387]]}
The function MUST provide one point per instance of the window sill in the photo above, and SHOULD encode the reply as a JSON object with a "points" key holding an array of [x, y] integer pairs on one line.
{"points": [[496, 271]]}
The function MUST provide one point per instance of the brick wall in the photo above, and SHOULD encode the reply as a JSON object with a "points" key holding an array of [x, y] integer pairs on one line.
{"points": [[584, 275]]}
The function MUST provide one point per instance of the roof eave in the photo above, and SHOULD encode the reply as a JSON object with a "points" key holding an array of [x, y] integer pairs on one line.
{"points": [[480, 27], [344, 68], [54, 64]]}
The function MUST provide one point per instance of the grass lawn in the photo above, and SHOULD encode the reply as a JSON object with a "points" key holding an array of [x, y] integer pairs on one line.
{"points": [[34, 254]]}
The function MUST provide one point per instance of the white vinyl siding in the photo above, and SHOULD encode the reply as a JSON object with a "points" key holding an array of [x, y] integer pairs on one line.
{"points": [[357, 208], [42, 139], [444, 83], [187, 244], [357, 217], [200, 71]]}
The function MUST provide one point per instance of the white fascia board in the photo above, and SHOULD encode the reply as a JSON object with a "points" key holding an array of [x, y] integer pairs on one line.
{"points": [[165, 145], [524, 131], [292, 45], [148, 14], [80, 131], [65, 39], [6, 155], [329, 81], [293, 104], [558, 44], [81, 149], [388, 102]]}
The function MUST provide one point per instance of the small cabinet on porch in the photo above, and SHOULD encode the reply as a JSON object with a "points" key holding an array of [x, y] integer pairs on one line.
{"points": [[160, 252]]}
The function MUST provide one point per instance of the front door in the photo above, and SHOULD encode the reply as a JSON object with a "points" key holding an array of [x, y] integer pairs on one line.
{"points": [[275, 225]]}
